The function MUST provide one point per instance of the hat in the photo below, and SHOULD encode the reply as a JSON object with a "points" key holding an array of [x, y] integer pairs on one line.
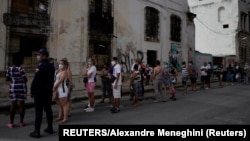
{"points": [[43, 52]]}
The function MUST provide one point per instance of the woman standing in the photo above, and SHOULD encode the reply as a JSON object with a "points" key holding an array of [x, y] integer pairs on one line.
{"points": [[90, 85], [60, 90], [18, 89], [157, 82], [173, 79], [135, 84], [69, 85]]}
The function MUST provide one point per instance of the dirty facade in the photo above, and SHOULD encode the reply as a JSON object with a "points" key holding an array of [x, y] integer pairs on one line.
{"points": [[145, 29], [222, 27]]}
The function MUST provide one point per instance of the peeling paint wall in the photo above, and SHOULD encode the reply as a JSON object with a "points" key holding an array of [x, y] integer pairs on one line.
{"points": [[3, 9], [68, 36], [69, 32]]}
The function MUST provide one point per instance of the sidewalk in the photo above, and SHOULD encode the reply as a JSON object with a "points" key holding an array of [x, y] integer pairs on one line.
{"points": [[82, 95]]}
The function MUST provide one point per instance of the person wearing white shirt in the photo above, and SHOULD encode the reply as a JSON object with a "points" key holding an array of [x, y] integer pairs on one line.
{"points": [[116, 85]]}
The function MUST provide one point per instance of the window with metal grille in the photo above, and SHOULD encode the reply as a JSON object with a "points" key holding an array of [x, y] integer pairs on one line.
{"points": [[152, 24], [175, 28], [101, 19]]}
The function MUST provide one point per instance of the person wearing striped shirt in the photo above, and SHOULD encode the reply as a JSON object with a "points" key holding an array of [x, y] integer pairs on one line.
{"points": [[185, 76]]}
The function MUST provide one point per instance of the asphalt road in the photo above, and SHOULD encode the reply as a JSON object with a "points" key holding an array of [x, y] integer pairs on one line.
{"points": [[218, 106]]}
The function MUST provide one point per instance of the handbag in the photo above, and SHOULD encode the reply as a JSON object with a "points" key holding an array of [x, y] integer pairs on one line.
{"points": [[112, 79], [85, 79]]}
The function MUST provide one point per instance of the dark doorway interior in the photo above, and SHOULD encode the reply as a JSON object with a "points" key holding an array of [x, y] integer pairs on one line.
{"points": [[151, 57]]}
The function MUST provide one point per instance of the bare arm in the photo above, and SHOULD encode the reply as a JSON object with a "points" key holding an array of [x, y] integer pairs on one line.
{"points": [[63, 76]]}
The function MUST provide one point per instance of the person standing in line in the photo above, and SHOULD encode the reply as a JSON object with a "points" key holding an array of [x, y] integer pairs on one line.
{"points": [[173, 80], [209, 71], [246, 74], [111, 96], [149, 71], [90, 85], [60, 91], [185, 77], [230, 74], [135, 84], [70, 86], [132, 69], [204, 77], [41, 90], [219, 73], [16, 75], [166, 78], [116, 84], [193, 73], [106, 85], [157, 82]]}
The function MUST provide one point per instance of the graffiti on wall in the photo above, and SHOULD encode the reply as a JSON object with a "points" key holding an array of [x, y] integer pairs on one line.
{"points": [[127, 54], [175, 55]]}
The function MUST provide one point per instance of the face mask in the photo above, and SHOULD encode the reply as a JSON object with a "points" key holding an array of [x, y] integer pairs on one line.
{"points": [[183, 66], [60, 66], [89, 63], [165, 66], [113, 63], [190, 64], [38, 58]]}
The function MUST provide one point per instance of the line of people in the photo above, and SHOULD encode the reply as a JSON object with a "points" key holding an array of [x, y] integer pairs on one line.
{"points": [[49, 84]]}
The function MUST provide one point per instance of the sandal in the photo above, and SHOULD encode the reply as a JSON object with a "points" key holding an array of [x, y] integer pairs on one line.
{"points": [[10, 125], [21, 124]]}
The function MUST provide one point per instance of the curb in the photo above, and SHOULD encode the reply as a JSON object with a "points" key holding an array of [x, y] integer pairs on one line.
{"points": [[126, 92]]}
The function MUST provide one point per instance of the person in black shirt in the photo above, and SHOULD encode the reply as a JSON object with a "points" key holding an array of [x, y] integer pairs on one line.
{"points": [[41, 91]]}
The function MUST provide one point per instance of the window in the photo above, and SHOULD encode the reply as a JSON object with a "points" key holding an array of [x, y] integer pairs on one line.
{"points": [[101, 20], [152, 24], [175, 28], [225, 26], [243, 18], [221, 14]]}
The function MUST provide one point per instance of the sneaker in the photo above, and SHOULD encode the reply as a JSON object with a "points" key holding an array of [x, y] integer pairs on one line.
{"points": [[21, 124], [10, 125], [115, 110], [90, 109], [35, 134], [49, 130]]}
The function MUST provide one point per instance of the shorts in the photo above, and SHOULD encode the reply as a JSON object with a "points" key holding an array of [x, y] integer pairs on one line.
{"points": [[117, 91], [90, 87], [230, 77], [137, 88], [166, 81], [193, 80], [184, 81]]}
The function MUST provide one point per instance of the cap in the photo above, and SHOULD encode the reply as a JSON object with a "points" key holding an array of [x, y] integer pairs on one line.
{"points": [[43, 52]]}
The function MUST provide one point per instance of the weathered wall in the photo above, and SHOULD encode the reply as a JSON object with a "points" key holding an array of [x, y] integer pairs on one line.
{"points": [[211, 37]]}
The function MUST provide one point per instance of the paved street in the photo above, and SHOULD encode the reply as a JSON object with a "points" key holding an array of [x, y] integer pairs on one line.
{"points": [[226, 105]]}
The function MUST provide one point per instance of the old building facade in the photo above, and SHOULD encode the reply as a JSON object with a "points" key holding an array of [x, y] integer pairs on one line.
{"points": [[223, 27], [77, 29]]}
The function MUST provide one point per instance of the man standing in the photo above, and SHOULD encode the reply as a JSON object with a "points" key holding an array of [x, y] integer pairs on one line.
{"points": [[41, 90], [116, 84]]}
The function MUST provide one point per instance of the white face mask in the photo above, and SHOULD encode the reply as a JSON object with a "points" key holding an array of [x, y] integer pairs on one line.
{"points": [[112, 63], [38, 58], [165, 66], [60, 66], [190, 64]]}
